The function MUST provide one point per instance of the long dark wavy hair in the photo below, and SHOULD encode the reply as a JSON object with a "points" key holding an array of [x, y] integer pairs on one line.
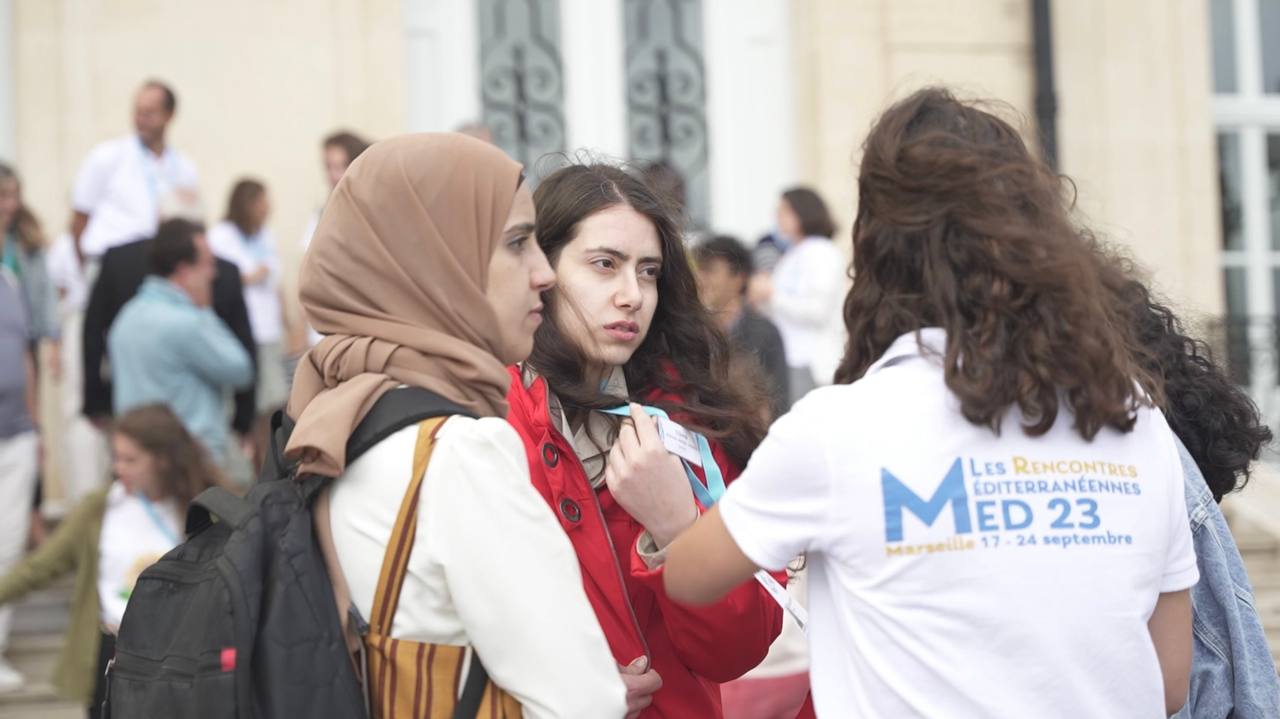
{"points": [[183, 465], [1215, 419], [960, 227], [684, 354]]}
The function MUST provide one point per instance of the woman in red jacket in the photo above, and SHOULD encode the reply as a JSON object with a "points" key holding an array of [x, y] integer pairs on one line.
{"points": [[624, 326]]}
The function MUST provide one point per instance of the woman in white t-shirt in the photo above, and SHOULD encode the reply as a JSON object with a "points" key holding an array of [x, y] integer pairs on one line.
{"points": [[244, 240], [111, 536], [803, 295], [991, 508]]}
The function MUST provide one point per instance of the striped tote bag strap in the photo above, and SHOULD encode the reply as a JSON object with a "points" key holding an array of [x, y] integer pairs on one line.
{"points": [[395, 562]]}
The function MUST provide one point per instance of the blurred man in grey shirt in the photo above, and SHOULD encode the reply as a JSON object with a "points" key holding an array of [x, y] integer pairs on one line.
{"points": [[724, 267]]}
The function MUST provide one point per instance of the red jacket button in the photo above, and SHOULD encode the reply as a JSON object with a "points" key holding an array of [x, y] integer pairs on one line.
{"points": [[550, 455], [570, 510]]}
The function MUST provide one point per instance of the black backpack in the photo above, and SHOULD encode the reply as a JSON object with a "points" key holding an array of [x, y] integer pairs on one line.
{"points": [[239, 622]]}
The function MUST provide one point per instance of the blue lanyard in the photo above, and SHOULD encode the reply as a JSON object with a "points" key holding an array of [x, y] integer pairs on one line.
{"points": [[149, 172], [255, 246], [707, 495], [157, 520]]}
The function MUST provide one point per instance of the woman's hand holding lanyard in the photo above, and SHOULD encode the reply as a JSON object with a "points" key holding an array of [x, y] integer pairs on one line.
{"points": [[648, 481], [658, 496]]}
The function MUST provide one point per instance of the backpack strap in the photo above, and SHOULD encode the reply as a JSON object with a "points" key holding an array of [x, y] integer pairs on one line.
{"points": [[468, 706], [274, 465], [216, 502], [394, 411]]}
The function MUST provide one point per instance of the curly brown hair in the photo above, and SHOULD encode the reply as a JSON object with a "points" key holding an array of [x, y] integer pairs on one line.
{"points": [[960, 227], [1215, 418], [684, 354]]}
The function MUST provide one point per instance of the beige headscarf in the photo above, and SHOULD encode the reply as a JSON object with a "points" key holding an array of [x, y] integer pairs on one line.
{"points": [[395, 278]]}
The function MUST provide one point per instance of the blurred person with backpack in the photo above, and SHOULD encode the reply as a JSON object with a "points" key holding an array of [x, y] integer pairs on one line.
{"points": [[395, 559], [111, 536]]}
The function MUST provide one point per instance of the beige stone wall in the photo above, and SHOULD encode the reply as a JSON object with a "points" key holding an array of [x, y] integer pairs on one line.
{"points": [[1134, 124], [1136, 134], [854, 57], [259, 85]]}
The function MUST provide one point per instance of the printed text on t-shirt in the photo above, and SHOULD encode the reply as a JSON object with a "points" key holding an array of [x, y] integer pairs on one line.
{"points": [[1009, 503]]}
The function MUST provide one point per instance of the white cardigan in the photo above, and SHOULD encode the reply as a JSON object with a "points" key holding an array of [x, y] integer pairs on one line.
{"points": [[490, 567]]}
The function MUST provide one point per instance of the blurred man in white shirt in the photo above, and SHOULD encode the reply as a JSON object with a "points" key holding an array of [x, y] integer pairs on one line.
{"points": [[123, 183]]}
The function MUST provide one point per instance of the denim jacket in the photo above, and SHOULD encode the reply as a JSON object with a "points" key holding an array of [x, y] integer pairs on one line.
{"points": [[1232, 673]]}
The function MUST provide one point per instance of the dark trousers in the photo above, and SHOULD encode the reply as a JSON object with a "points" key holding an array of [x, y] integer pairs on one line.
{"points": [[106, 650]]}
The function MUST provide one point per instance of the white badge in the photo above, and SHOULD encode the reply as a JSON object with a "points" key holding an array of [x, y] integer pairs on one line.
{"points": [[679, 441]]}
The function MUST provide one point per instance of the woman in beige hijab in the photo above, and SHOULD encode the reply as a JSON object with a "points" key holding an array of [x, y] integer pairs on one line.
{"points": [[422, 272]]}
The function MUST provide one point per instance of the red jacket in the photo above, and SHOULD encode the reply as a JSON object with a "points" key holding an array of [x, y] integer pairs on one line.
{"points": [[692, 649]]}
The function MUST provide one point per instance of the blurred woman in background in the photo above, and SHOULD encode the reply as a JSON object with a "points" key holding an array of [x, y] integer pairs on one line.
{"points": [[111, 536], [243, 239]]}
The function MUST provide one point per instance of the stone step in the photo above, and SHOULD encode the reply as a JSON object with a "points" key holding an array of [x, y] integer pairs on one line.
{"points": [[34, 655], [39, 622], [42, 710], [44, 611], [34, 647]]}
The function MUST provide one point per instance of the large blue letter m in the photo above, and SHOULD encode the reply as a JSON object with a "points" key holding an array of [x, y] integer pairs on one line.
{"points": [[897, 495]]}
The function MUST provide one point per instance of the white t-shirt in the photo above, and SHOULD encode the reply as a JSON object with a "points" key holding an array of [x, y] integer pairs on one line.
{"points": [[248, 254], [121, 186], [808, 293], [490, 566], [135, 533], [957, 573]]}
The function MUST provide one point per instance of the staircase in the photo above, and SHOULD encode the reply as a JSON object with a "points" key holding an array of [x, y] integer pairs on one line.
{"points": [[34, 643]]}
